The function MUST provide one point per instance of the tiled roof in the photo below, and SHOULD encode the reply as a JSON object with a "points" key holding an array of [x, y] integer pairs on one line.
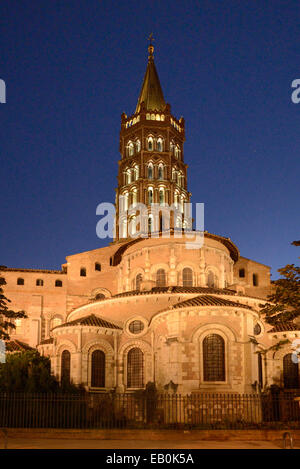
{"points": [[285, 326], [17, 346], [178, 289], [41, 271], [209, 300], [90, 320]]}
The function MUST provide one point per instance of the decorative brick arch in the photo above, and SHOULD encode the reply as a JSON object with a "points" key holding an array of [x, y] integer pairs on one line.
{"points": [[156, 267], [66, 344], [229, 333], [136, 272], [103, 291], [216, 273], [95, 344]]}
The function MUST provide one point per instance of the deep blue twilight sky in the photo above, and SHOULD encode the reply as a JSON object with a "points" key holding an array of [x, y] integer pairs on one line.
{"points": [[72, 67]]}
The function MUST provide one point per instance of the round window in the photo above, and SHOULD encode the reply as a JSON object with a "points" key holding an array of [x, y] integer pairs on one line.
{"points": [[257, 329], [135, 327]]}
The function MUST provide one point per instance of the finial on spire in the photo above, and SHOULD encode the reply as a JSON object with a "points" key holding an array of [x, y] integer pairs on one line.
{"points": [[151, 47]]}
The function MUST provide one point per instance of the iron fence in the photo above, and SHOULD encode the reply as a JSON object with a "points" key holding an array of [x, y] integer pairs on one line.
{"points": [[111, 410]]}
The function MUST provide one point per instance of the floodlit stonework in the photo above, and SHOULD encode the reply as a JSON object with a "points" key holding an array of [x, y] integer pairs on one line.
{"points": [[149, 309]]}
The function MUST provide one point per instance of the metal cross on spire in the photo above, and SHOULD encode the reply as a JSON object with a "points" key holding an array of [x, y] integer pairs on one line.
{"points": [[151, 39], [151, 47]]}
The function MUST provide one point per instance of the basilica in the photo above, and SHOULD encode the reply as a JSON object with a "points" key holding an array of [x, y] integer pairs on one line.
{"points": [[153, 308]]}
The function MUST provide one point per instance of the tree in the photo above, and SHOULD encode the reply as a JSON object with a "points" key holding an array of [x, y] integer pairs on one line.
{"points": [[285, 300], [31, 372], [7, 316], [27, 372]]}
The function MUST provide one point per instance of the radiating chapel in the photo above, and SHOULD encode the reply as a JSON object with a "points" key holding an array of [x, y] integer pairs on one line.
{"points": [[149, 309]]}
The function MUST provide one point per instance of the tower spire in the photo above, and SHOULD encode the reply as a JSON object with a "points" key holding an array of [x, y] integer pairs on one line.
{"points": [[151, 93]]}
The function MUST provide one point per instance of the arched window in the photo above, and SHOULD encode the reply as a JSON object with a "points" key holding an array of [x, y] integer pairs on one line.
{"points": [[150, 171], [39, 282], [98, 369], [150, 224], [187, 277], [83, 272], [124, 229], [138, 281], [130, 149], [161, 196], [255, 280], [136, 172], [160, 172], [150, 144], [20, 281], [99, 296], [124, 201], [58, 283], [135, 368], [98, 266], [132, 172], [150, 196], [213, 358], [161, 278], [212, 280], [134, 197], [242, 273], [159, 144], [176, 197], [290, 373], [65, 367], [138, 146], [179, 222]]}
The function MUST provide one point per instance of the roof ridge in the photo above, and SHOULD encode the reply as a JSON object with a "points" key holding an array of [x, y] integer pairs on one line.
{"points": [[90, 318]]}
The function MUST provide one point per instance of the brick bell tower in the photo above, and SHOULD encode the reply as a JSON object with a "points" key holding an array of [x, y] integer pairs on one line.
{"points": [[151, 168]]}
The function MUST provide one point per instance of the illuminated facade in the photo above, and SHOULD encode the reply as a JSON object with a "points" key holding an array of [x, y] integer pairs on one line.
{"points": [[149, 309]]}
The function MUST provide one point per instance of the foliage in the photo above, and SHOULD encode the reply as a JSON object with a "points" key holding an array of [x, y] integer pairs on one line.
{"points": [[7, 316], [30, 372], [285, 300]]}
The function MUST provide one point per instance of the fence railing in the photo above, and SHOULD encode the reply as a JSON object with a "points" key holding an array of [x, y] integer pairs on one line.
{"points": [[110, 410]]}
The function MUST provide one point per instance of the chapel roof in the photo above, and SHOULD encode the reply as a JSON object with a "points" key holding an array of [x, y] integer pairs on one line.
{"points": [[177, 289], [91, 320], [285, 326], [17, 346], [209, 300]]}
